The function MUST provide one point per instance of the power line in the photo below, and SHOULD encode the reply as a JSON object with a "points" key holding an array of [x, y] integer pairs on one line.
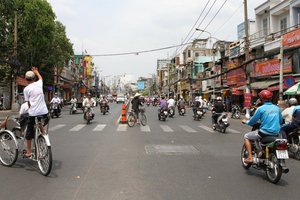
{"points": [[193, 27], [139, 52]]}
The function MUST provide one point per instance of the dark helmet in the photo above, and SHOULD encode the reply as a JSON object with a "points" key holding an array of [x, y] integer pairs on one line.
{"points": [[265, 95]]}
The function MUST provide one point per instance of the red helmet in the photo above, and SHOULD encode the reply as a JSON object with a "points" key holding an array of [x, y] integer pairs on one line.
{"points": [[265, 95]]}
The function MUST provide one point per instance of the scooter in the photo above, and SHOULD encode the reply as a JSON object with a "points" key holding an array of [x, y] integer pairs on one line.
{"points": [[181, 110], [54, 110], [294, 143], [163, 114], [88, 115], [222, 123], [171, 111], [198, 114], [73, 108]]}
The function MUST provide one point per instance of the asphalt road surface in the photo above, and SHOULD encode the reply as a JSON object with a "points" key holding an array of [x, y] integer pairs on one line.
{"points": [[176, 159]]}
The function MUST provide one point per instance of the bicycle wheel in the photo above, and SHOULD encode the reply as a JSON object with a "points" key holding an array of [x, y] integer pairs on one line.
{"points": [[143, 119], [131, 120], [44, 156], [8, 148]]}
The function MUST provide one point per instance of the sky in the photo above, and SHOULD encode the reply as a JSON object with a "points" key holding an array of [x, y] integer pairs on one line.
{"points": [[123, 26]]}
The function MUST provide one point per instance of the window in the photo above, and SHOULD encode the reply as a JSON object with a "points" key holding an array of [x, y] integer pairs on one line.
{"points": [[265, 26], [189, 53], [283, 25], [196, 54]]}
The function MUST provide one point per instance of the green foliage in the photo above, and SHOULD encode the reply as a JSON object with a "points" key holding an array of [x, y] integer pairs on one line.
{"points": [[42, 41]]}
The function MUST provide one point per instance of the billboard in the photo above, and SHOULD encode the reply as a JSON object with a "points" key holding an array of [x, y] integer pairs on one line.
{"points": [[141, 85]]}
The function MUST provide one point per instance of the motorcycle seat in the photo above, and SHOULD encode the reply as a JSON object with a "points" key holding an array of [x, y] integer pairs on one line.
{"points": [[268, 139]]}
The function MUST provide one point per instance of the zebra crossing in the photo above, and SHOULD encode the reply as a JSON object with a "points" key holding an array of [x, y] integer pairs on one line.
{"points": [[143, 129]]}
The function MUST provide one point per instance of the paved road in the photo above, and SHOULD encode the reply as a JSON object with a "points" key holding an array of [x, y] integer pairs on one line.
{"points": [[178, 159]]}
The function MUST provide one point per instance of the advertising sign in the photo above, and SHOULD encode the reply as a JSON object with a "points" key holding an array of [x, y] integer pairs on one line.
{"points": [[247, 101], [271, 67], [141, 85], [236, 77], [291, 39]]}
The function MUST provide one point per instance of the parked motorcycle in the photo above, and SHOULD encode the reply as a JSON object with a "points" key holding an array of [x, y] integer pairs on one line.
{"points": [[171, 111], [222, 123], [235, 112], [294, 143], [54, 110], [198, 114], [163, 114], [181, 110], [269, 154], [88, 115], [73, 108]]}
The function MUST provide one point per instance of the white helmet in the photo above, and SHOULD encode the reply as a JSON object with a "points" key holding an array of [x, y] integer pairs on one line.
{"points": [[30, 75], [293, 102], [219, 98]]}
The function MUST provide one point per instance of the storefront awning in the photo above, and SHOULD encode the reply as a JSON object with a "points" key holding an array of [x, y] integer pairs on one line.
{"points": [[259, 84]]}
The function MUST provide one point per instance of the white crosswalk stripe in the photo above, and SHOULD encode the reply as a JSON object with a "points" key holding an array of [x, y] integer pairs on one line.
{"points": [[122, 127], [166, 128], [145, 128], [77, 127], [99, 127], [54, 128], [209, 129], [187, 129]]}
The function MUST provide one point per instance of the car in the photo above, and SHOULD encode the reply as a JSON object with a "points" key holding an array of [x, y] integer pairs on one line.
{"points": [[120, 99], [110, 98]]}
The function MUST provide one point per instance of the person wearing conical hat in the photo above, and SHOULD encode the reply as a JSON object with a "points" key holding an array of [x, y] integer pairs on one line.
{"points": [[136, 102]]}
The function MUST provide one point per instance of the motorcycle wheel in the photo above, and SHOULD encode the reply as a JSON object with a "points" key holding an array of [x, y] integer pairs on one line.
{"points": [[274, 170], [244, 156], [71, 111]]}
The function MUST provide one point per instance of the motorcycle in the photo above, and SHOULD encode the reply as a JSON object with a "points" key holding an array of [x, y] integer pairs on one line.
{"points": [[103, 108], [54, 110], [269, 154], [235, 114], [198, 114], [171, 111], [222, 123], [163, 114], [73, 108], [181, 110], [294, 143], [88, 115]]}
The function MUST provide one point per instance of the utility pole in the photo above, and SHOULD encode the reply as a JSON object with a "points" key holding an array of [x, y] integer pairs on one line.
{"points": [[14, 105], [281, 72], [247, 54]]}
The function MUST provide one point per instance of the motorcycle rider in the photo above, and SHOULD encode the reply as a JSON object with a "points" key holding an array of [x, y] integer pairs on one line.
{"points": [[103, 100], [89, 101], [181, 103], [74, 101], [295, 122], [287, 114], [136, 103], [57, 100], [171, 104], [270, 117], [163, 104], [218, 109]]}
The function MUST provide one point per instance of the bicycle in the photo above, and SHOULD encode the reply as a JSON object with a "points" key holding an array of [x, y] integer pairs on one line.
{"points": [[11, 141], [132, 118]]}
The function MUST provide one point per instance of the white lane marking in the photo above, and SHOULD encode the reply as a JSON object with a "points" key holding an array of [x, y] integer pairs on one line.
{"points": [[54, 128], [187, 129], [122, 127], [233, 131], [78, 127], [99, 127], [145, 128], [209, 129], [166, 128]]}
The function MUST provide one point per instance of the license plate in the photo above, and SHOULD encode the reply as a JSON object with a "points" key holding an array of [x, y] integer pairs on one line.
{"points": [[282, 154], [198, 112], [224, 120]]}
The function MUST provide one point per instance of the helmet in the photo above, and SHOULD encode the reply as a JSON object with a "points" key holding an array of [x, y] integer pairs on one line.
{"points": [[293, 102], [265, 95], [30, 75], [219, 98]]}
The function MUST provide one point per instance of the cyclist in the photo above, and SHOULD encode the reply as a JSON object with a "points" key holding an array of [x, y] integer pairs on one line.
{"points": [[136, 102], [89, 101], [34, 96]]}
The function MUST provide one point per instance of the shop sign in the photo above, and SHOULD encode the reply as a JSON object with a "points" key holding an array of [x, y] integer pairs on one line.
{"points": [[291, 39], [50, 87], [230, 65], [247, 100], [236, 77], [271, 67], [235, 91]]}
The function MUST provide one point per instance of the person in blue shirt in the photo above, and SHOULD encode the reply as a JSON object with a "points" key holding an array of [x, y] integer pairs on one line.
{"points": [[269, 115], [294, 124]]}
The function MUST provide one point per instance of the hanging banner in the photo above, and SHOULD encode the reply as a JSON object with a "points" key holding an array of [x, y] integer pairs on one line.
{"points": [[247, 100], [291, 39]]}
